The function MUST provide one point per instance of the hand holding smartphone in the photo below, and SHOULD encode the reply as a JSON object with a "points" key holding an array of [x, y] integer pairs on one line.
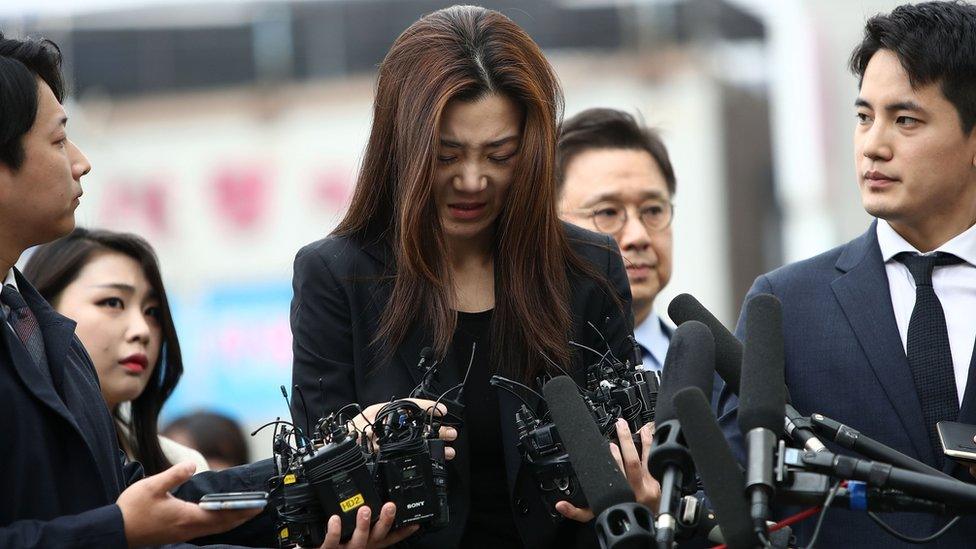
{"points": [[234, 500]]}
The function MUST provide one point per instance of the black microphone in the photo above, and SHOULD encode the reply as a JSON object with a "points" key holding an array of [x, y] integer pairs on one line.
{"points": [[719, 472], [621, 522], [728, 363], [424, 388], [425, 354], [762, 397], [882, 475], [690, 362], [856, 496], [866, 446], [807, 488]]}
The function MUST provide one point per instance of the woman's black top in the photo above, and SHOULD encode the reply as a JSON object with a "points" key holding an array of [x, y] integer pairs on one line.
{"points": [[490, 521]]}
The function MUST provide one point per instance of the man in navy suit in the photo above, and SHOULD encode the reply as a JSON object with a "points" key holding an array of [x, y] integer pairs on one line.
{"points": [[879, 332], [61, 470]]}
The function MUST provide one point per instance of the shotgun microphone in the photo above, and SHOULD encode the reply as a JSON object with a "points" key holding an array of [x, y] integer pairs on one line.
{"points": [[728, 363], [762, 397], [621, 522]]}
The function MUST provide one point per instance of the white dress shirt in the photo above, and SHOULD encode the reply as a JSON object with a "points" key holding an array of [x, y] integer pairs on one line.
{"points": [[12, 280], [954, 285]]}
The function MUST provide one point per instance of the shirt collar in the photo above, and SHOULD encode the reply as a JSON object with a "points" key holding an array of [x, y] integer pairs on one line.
{"points": [[962, 245], [650, 334], [12, 280]]}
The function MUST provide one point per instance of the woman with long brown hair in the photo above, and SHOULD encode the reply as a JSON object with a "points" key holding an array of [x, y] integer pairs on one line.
{"points": [[452, 249]]}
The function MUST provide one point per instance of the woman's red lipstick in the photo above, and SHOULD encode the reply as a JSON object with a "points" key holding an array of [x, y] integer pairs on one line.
{"points": [[136, 363]]}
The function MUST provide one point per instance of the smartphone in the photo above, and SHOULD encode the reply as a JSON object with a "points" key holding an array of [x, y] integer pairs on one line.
{"points": [[234, 500], [958, 441]]}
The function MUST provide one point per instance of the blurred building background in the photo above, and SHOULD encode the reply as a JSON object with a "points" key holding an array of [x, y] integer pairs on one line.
{"points": [[229, 134]]}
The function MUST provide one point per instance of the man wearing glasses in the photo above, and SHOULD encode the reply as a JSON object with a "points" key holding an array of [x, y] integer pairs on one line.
{"points": [[614, 176]]}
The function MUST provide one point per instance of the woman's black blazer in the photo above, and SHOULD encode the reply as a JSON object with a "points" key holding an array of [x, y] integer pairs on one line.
{"points": [[341, 287]]}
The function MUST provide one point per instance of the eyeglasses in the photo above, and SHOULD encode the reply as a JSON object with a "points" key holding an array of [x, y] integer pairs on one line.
{"points": [[611, 218]]}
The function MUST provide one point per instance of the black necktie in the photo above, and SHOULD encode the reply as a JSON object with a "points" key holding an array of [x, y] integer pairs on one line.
{"points": [[25, 325], [929, 354]]}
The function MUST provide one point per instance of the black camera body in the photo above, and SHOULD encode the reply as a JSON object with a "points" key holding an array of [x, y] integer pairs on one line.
{"points": [[299, 513], [613, 390], [409, 466], [338, 470], [547, 462], [327, 475], [621, 390], [339, 477]]}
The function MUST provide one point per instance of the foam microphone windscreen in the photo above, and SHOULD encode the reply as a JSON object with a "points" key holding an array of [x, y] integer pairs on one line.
{"points": [[589, 452], [721, 475], [728, 349], [690, 362], [762, 396]]}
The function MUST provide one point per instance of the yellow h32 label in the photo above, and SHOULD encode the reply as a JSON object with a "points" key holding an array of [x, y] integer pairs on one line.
{"points": [[352, 503]]}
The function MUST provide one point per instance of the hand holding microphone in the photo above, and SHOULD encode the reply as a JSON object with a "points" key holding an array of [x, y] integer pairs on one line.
{"points": [[621, 522], [633, 464]]}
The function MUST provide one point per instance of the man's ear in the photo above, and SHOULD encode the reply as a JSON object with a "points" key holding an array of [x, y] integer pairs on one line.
{"points": [[971, 141], [6, 181]]}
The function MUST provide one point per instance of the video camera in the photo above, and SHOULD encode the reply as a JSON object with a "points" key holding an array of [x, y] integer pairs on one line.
{"points": [[337, 469], [614, 389]]}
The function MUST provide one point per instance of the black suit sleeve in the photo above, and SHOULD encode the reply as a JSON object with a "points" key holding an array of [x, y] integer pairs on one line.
{"points": [[322, 338], [101, 527], [257, 532], [618, 315]]}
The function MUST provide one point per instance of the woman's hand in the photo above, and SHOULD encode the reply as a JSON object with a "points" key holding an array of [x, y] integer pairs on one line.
{"points": [[363, 537], [364, 420], [647, 491]]}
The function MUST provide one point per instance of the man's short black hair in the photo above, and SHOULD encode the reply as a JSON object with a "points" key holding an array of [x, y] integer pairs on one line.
{"points": [[609, 129], [21, 63], [936, 43]]}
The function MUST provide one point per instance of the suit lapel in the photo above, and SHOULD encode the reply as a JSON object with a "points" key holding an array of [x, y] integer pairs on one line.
{"points": [[864, 296], [53, 331], [417, 337], [33, 380], [58, 333], [967, 411]]}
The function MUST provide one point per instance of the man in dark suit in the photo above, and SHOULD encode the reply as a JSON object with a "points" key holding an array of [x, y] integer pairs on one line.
{"points": [[615, 177], [879, 332], [62, 472]]}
